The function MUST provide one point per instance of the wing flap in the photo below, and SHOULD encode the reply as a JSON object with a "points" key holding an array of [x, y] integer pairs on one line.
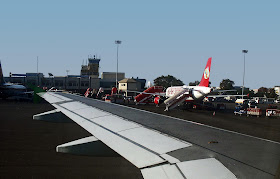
{"points": [[72, 106], [162, 172], [205, 168], [209, 168], [114, 123], [153, 140], [60, 97], [90, 113]]}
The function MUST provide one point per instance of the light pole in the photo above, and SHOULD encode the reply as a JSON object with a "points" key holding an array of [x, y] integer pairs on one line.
{"points": [[67, 71], [118, 42], [38, 71], [244, 51]]}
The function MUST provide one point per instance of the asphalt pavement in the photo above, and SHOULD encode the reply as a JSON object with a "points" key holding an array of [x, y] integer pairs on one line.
{"points": [[28, 148]]}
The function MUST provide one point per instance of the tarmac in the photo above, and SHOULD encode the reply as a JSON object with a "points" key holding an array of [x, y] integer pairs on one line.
{"points": [[28, 146], [262, 127]]}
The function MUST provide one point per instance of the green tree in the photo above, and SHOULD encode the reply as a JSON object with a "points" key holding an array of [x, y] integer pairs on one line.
{"points": [[251, 93], [226, 84], [167, 81], [197, 83], [262, 91], [271, 93], [268, 92], [194, 83]]}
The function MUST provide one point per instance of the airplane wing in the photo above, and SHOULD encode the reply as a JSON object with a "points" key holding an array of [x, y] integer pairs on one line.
{"points": [[168, 147]]}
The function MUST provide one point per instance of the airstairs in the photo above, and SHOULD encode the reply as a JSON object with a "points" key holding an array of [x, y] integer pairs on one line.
{"points": [[177, 99], [145, 96]]}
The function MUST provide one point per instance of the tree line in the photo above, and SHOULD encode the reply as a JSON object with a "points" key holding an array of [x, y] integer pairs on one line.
{"points": [[225, 84]]}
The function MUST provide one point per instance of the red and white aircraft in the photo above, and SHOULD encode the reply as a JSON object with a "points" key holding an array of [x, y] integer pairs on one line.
{"points": [[178, 94]]}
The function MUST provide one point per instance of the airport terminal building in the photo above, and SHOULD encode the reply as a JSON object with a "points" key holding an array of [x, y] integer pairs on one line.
{"points": [[88, 78]]}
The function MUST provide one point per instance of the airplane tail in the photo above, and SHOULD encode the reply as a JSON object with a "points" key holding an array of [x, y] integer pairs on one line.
{"points": [[206, 74], [1, 75]]}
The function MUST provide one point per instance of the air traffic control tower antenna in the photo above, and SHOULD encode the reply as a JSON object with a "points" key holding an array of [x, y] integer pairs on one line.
{"points": [[92, 68]]}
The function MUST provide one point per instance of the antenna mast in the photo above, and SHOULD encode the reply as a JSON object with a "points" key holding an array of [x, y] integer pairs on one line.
{"points": [[37, 64]]}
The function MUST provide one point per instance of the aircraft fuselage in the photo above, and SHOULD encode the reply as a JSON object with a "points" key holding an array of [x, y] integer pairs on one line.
{"points": [[195, 92], [9, 90]]}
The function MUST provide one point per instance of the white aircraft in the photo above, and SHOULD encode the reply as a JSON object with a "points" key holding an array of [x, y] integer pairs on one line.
{"points": [[178, 94], [13, 90]]}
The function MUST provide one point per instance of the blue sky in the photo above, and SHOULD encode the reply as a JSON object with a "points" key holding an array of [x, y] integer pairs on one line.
{"points": [[158, 38]]}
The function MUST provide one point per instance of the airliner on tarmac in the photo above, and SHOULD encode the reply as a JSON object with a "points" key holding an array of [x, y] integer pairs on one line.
{"points": [[12, 90], [178, 94]]}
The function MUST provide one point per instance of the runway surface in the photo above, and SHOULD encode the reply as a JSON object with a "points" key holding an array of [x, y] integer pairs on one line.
{"points": [[27, 148], [262, 127]]}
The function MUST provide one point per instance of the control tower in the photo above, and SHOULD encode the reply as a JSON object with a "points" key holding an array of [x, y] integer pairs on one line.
{"points": [[92, 69]]}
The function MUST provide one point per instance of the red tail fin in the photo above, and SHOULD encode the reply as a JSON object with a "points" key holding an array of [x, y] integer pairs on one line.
{"points": [[206, 74]]}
